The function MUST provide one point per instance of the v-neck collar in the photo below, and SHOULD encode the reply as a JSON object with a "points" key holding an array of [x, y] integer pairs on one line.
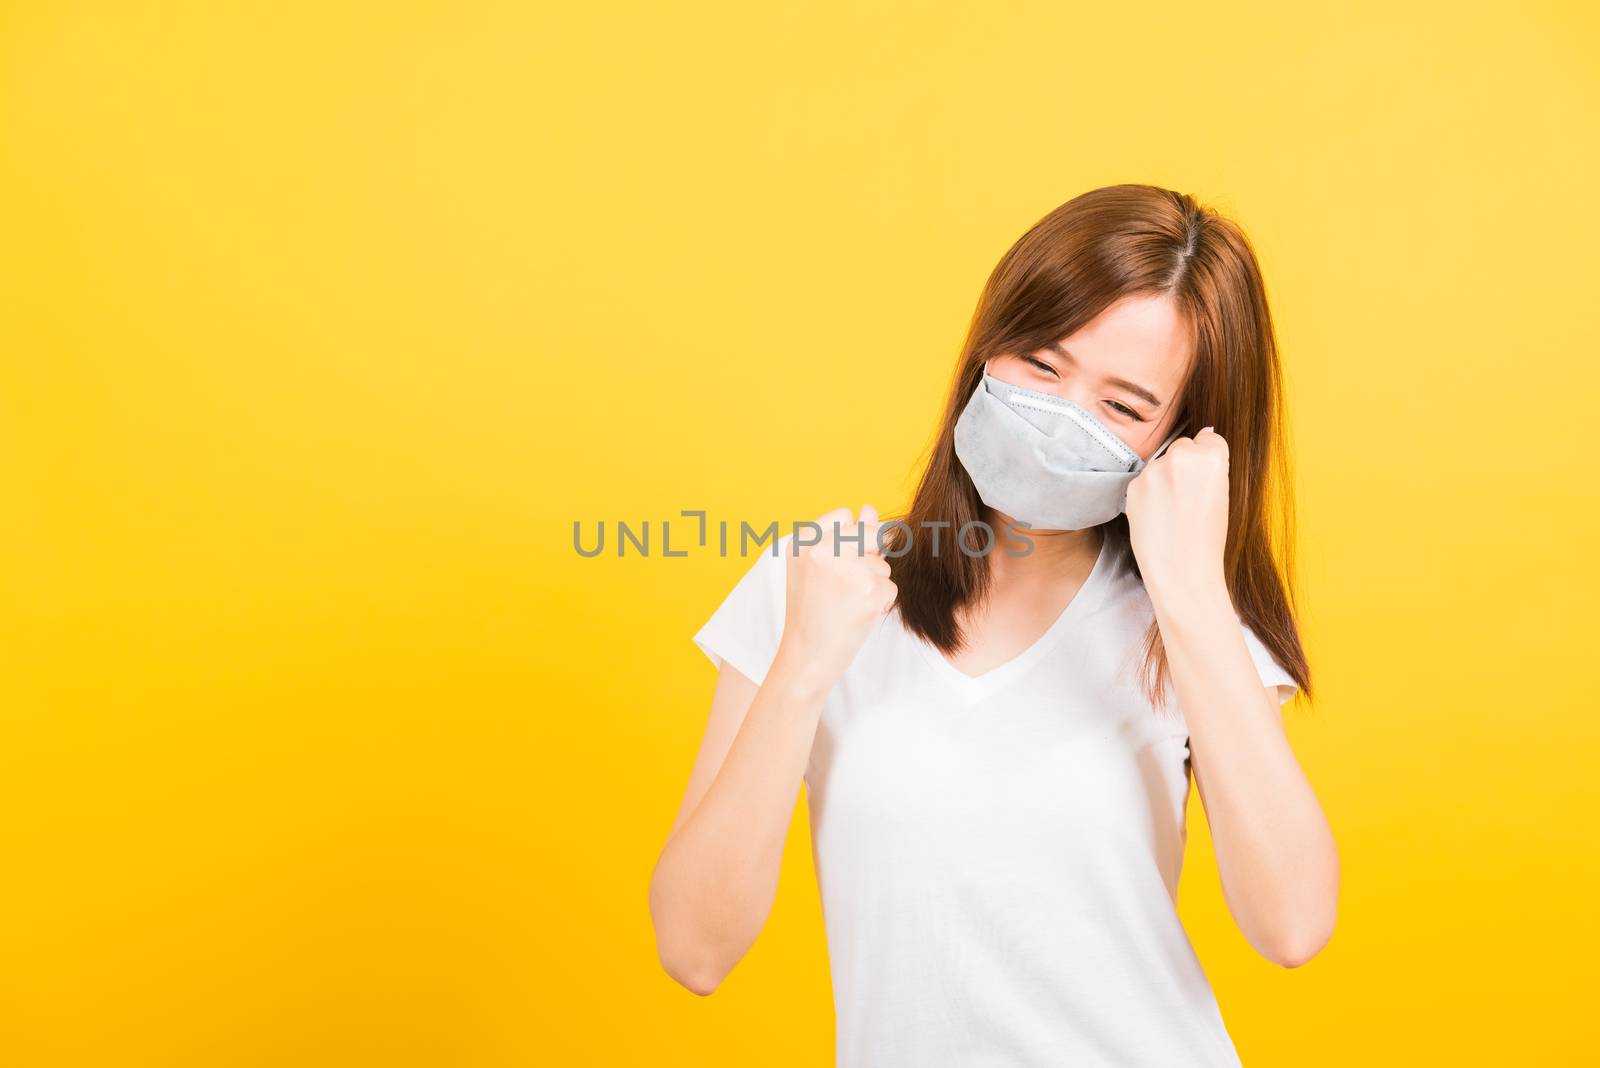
{"points": [[973, 688]]}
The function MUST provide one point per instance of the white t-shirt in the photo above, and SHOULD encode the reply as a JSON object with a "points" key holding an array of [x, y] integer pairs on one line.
{"points": [[998, 856]]}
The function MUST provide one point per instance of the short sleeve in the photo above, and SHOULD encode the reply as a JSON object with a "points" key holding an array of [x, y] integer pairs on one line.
{"points": [[1272, 673], [746, 627]]}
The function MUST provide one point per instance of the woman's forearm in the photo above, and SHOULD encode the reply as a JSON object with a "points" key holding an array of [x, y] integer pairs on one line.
{"points": [[715, 881], [1275, 851]]}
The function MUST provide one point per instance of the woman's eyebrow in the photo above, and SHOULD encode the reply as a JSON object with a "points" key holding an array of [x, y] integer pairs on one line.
{"points": [[1121, 383]]}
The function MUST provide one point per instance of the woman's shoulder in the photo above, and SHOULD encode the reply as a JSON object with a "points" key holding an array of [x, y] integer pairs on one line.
{"points": [[747, 625]]}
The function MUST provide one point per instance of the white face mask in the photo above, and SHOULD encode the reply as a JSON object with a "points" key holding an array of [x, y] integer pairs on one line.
{"points": [[1042, 459]]}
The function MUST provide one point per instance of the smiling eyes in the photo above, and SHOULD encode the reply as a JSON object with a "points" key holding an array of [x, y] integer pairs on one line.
{"points": [[1123, 408]]}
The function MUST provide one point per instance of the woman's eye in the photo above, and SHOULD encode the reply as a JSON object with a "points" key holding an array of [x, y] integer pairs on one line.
{"points": [[1041, 365], [1125, 410]]}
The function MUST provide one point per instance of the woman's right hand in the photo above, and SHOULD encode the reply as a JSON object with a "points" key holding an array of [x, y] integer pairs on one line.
{"points": [[835, 593]]}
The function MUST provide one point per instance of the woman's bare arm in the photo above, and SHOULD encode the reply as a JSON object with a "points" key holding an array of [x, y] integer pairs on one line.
{"points": [[1275, 850], [717, 876]]}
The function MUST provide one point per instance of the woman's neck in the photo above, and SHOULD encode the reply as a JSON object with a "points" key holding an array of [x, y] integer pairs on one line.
{"points": [[1057, 554]]}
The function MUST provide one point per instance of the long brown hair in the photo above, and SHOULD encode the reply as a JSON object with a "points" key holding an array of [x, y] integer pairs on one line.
{"points": [[1104, 245]]}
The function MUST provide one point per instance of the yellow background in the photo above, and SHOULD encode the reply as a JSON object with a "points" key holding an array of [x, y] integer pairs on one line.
{"points": [[322, 323]]}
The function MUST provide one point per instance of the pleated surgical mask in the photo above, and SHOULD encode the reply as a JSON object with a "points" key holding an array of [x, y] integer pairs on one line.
{"points": [[1042, 459]]}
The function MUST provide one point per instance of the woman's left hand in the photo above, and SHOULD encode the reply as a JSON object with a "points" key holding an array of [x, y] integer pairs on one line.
{"points": [[1178, 518]]}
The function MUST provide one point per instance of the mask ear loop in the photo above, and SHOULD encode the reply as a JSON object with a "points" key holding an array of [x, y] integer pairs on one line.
{"points": [[1176, 434]]}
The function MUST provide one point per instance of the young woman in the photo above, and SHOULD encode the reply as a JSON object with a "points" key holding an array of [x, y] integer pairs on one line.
{"points": [[997, 732]]}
